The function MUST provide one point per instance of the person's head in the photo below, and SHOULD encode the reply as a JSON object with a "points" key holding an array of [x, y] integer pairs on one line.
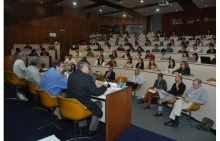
{"points": [[22, 56], [163, 51], [17, 50], [184, 47], [121, 46], [43, 49], [211, 46], [88, 47], [58, 65], [195, 46], [185, 54], [36, 61], [139, 48], [178, 78], [140, 61], [89, 50], [114, 52], [129, 60], [156, 46], [84, 66], [33, 51], [196, 56], [110, 68], [151, 62], [70, 56], [101, 57], [169, 45], [212, 40], [197, 40], [136, 72], [73, 67], [77, 50], [160, 76], [139, 53], [197, 83], [172, 41], [184, 65], [112, 58], [84, 58], [171, 63], [148, 52], [109, 46]]}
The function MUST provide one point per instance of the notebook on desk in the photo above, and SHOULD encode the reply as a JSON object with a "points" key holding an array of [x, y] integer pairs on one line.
{"points": [[190, 59]]}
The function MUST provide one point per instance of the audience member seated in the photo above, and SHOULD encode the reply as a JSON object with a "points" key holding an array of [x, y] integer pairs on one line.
{"points": [[44, 53], [73, 68], [214, 59], [147, 43], [195, 49], [159, 84], [100, 61], [27, 46], [19, 69], [211, 49], [156, 38], [114, 54], [95, 43], [116, 42], [149, 55], [185, 56], [98, 48], [184, 47], [77, 47], [164, 56], [195, 56], [81, 79], [135, 80], [166, 38], [84, 58], [183, 70], [212, 42], [101, 52], [90, 53], [173, 35], [70, 60], [140, 64], [107, 43], [33, 53], [54, 82], [77, 53], [136, 41], [155, 48], [17, 51], [151, 65], [179, 38], [127, 43], [126, 55], [169, 49], [120, 48], [140, 49], [51, 46], [172, 42], [130, 48], [192, 37], [109, 48], [139, 55], [177, 89], [32, 72], [88, 47], [171, 65], [199, 42], [129, 63], [203, 37], [196, 94], [109, 75], [112, 62]]}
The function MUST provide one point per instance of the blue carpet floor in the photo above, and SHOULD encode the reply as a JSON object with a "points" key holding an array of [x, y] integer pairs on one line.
{"points": [[21, 124]]}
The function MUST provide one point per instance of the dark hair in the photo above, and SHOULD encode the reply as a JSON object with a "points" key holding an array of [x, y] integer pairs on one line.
{"points": [[130, 60], [185, 64], [84, 58], [184, 45], [18, 49], [128, 53], [149, 64], [186, 52], [173, 63], [163, 50], [115, 53], [56, 63], [142, 62], [147, 51], [70, 55], [211, 45], [197, 56], [156, 45], [89, 49], [73, 69], [160, 75]]}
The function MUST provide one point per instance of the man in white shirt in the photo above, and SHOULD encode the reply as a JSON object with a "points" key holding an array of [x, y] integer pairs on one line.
{"points": [[69, 60], [195, 49], [136, 79], [32, 73], [19, 68], [100, 61], [77, 54]]}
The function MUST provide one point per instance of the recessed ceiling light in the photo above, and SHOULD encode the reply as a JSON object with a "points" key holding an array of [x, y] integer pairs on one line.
{"points": [[91, 2], [103, 6], [100, 10], [124, 15], [142, 1], [132, 6], [120, 1], [115, 14], [157, 10], [176, 9], [41, 2], [146, 13], [206, 5], [140, 9], [74, 3]]}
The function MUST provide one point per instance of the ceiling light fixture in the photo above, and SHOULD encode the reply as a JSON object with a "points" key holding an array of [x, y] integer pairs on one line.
{"points": [[41, 2], [100, 10], [124, 15], [206, 5], [74, 3], [157, 10], [142, 1]]}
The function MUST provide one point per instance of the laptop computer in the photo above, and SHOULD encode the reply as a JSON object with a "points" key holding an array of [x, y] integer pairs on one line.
{"points": [[190, 59], [205, 59]]}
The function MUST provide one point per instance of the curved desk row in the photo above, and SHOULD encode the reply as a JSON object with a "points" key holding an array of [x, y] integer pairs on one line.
{"points": [[207, 110], [36, 46]]}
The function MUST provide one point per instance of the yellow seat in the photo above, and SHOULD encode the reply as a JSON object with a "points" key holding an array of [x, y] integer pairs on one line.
{"points": [[7, 77], [100, 77], [212, 79], [72, 109], [121, 79], [33, 90], [193, 107], [49, 101], [17, 82]]}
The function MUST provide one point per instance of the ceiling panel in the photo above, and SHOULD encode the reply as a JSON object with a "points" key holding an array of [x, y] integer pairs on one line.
{"points": [[119, 15], [153, 10], [79, 3], [205, 3], [33, 1], [101, 10]]}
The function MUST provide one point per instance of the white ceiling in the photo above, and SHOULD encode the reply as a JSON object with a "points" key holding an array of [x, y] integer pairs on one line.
{"points": [[150, 6]]}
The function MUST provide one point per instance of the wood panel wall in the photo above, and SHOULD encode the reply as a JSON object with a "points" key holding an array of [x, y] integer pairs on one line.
{"points": [[192, 14]]}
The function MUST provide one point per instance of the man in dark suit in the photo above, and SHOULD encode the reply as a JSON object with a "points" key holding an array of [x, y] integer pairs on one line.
{"points": [[110, 74], [81, 86]]}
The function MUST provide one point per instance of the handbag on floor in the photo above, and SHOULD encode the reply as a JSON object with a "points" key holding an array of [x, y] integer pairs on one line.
{"points": [[206, 124]]}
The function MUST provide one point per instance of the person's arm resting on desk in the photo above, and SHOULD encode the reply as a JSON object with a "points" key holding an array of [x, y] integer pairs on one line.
{"points": [[93, 90]]}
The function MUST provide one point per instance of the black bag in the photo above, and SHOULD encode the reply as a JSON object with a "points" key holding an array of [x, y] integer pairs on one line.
{"points": [[206, 124]]}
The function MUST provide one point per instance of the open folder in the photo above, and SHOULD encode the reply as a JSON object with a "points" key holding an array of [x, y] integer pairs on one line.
{"points": [[152, 90]]}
